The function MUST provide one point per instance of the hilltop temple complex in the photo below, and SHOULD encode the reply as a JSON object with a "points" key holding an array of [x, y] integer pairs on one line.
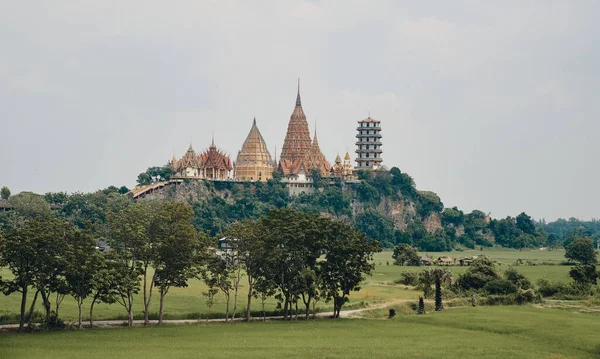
{"points": [[300, 157]]}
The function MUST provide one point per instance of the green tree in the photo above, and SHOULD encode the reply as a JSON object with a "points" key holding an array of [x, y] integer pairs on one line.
{"points": [[584, 275], [107, 282], [581, 250], [217, 274], [50, 240], [28, 205], [525, 224], [426, 280], [252, 251], [177, 250], [479, 274], [82, 265], [406, 254], [130, 239], [4, 193], [348, 256], [144, 179], [18, 254]]}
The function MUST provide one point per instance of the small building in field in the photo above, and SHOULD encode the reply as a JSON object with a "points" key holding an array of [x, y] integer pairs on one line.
{"points": [[426, 261], [445, 260]]}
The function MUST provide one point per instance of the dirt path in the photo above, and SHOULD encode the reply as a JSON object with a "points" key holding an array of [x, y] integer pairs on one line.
{"points": [[116, 323]]}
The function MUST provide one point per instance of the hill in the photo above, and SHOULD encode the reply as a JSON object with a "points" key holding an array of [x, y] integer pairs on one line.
{"points": [[386, 205]]}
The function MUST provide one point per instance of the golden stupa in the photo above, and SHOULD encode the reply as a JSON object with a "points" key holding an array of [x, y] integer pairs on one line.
{"points": [[254, 161]]}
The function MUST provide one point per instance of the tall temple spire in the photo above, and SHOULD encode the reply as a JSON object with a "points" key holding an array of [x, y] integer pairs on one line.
{"points": [[297, 139], [298, 102]]}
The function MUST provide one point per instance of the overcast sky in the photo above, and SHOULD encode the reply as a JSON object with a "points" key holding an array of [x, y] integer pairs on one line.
{"points": [[492, 105]]}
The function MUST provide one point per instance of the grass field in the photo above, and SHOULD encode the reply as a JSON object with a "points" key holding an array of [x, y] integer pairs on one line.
{"points": [[188, 303], [482, 332]]}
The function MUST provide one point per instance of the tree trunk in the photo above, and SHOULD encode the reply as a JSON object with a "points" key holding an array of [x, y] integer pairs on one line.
{"points": [[307, 311], [23, 306], [296, 304], [130, 317], [285, 303], [130, 310], [47, 304], [92, 312], [227, 309], [32, 308], [148, 296], [235, 296], [163, 293], [263, 309], [438, 296], [145, 295], [79, 304], [248, 312]]}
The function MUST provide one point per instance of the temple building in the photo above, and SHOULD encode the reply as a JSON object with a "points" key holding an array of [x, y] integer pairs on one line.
{"points": [[254, 161], [343, 169], [316, 160], [297, 143], [368, 144], [188, 166], [216, 165]]}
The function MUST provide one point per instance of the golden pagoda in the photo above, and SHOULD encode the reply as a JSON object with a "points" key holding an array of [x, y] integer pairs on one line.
{"points": [[316, 160], [348, 168], [337, 170], [297, 143], [254, 161], [216, 165]]}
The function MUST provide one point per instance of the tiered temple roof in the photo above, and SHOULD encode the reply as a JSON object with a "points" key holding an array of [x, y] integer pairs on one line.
{"points": [[215, 159], [188, 166], [316, 160], [297, 143], [254, 160]]}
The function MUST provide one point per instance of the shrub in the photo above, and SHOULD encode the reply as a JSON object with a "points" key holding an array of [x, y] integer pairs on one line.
{"points": [[53, 323], [517, 279], [559, 290], [500, 286], [408, 278]]}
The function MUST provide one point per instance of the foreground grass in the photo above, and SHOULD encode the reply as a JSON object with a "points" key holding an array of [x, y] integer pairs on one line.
{"points": [[490, 332]]}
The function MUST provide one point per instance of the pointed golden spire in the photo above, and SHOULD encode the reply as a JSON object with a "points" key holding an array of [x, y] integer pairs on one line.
{"points": [[298, 102]]}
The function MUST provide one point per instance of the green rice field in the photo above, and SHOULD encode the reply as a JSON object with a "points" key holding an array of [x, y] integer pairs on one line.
{"points": [[188, 303], [481, 332]]}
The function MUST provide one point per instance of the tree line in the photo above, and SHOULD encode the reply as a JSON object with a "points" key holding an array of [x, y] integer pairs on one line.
{"points": [[154, 247]]}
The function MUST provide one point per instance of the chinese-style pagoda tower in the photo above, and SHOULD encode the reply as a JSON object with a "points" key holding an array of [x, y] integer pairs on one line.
{"points": [[368, 144], [297, 141], [254, 160]]}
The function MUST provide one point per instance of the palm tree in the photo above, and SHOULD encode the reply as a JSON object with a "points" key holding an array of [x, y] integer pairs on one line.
{"points": [[440, 276]]}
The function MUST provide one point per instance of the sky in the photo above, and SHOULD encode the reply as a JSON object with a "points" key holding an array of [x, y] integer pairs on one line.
{"points": [[493, 105]]}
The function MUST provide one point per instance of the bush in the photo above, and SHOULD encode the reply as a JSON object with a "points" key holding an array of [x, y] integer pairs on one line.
{"points": [[520, 298], [408, 278], [53, 323], [500, 286], [559, 290], [518, 279]]}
